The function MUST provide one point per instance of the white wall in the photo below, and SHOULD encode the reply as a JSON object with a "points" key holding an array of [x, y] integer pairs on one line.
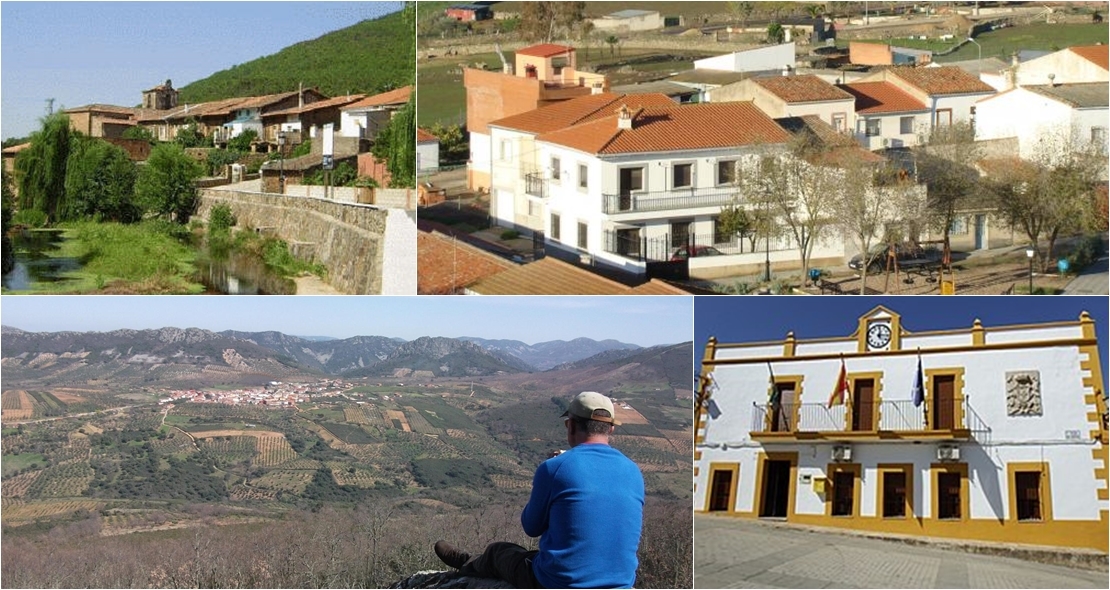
{"points": [[1065, 65], [427, 157], [1041, 119], [752, 60], [399, 257]]}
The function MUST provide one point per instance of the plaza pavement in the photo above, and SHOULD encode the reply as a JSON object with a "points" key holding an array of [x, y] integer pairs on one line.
{"points": [[740, 553]]}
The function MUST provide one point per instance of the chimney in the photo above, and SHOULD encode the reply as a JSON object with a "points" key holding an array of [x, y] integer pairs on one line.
{"points": [[597, 88], [300, 95], [786, 71], [624, 118], [1052, 80]]}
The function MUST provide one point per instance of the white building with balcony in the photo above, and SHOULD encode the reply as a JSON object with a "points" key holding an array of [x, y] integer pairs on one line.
{"points": [[989, 433]]}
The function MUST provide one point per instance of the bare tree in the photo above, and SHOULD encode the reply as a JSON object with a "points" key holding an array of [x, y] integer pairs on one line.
{"points": [[1052, 193], [547, 21], [796, 187], [945, 163], [870, 199]]}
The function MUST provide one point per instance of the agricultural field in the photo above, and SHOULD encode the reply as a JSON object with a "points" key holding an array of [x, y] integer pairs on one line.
{"points": [[149, 462], [16, 405]]}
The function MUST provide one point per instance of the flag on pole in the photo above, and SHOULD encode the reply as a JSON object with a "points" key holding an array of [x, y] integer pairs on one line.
{"points": [[840, 391], [919, 384], [775, 394]]}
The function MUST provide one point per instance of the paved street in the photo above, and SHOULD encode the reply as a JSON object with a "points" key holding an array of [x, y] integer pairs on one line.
{"points": [[740, 553]]}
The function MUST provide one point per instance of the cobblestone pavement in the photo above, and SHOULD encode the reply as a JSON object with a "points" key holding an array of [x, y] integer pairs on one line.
{"points": [[739, 553]]}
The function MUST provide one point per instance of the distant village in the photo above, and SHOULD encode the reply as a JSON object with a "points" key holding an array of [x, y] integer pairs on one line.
{"points": [[273, 394]]}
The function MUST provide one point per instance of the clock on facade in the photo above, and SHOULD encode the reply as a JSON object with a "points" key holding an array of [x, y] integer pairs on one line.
{"points": [[878, 336]]}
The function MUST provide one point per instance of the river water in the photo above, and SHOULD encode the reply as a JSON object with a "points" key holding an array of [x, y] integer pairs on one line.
{"points": [[229, 273]]}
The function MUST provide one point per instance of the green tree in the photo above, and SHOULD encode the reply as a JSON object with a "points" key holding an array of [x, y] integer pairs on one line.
{"points": [[166, 184], [7, 199], [612, 41], [100, 182], [139, 132], [453, 144], [396, 144], [775, 33], [190, 135], [41, 168], [243, 141]]}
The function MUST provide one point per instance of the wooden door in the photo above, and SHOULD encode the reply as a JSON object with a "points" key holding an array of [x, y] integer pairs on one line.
{"points": [[863, 404], [944, 402], [721, 490]]}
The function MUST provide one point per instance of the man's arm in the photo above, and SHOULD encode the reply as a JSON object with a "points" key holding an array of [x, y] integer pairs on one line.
{"points": [[534, 517]]}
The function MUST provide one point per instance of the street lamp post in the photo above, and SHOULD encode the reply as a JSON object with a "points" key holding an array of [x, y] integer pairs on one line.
{"points": [[1029, 253], [767, 243], [980, 53], [281, 153]]}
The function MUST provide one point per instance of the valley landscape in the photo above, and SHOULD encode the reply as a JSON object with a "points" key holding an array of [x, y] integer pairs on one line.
{"points": [[268, 460]]}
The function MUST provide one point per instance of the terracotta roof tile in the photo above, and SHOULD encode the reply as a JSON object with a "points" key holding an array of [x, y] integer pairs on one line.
{"points": [[674, 128], [658, 287], [103, 108], [320, 104], [942, 80], [572, 112], [398, 96], [839, 149], [882, 97], [807, 88], [548, 276], [544, 50], [446, 265], [422, 135], [1096, 54]]}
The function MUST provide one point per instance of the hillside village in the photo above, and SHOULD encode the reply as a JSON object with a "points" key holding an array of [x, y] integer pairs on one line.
{"points": [[779, 160]]}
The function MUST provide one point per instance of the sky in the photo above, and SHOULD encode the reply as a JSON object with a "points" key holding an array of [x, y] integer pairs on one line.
{"points": [[645, 321], [81, 53], [752, 319]]}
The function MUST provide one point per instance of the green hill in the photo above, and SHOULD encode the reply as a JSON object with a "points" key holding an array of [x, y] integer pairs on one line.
{"points": [[369, 57]]}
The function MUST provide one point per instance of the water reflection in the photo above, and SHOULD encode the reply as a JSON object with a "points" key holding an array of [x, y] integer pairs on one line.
{"points": [[233, 273], [33, 261]]}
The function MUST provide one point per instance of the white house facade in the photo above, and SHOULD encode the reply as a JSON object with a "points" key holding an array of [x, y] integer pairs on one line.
{"points": [[1050, 115], [989, 433], [1075, 64], [886, 116]]}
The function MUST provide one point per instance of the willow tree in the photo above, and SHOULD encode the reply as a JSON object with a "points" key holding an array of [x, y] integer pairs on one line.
{"points": [[41, 167], [397, 144], [100, 182]]}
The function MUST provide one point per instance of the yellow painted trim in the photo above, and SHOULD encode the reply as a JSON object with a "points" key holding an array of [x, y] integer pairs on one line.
{"points": [[965, 506], [796, 411], [877, 377], [789, 345], [978, 337], [714, 468], [957, 392], [792, 491], [947, 332], [1045, 491], [704, 391], [905, 468], [926, 351], [855, 470]]}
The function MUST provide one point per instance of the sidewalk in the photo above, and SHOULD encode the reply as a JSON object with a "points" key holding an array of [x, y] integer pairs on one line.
{"points": [[1094, 280]]}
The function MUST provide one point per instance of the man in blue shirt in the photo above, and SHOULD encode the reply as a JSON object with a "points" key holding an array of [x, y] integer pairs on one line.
{"points": [[586, 507]]}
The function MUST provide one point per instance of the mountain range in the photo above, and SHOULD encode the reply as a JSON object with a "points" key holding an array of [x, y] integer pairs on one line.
{"points": [[175, 355]]}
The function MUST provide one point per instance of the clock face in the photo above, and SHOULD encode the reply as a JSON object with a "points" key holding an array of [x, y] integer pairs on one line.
{"points": [[878, 336]]}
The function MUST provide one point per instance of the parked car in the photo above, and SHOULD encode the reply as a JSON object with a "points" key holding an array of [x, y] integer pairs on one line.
{"points": [[905, 253], [696, 251]]}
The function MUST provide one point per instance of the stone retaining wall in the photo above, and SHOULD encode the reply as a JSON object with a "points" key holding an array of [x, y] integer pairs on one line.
{"points": [[347, 238]]}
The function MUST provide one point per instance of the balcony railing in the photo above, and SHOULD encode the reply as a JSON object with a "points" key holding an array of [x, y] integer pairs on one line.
{"points": [[662, 248], [535, 185], [681, 198], [898, 418]]}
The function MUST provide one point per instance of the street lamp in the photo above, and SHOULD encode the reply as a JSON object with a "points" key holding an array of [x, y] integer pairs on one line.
{"points": [[281, 153], [767, 242], [1029, 253], [980, 53]]}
